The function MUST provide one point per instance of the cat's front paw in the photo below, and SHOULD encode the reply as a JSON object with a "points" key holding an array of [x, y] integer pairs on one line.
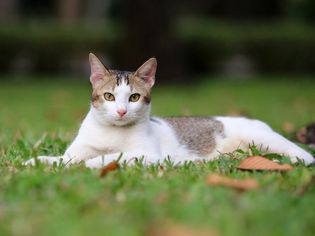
{"points": [[30, 162], [97, 162], [44, 159], [93, 164]]}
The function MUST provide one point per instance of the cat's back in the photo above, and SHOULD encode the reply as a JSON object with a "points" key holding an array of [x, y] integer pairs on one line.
{"points": [[197, 133]]}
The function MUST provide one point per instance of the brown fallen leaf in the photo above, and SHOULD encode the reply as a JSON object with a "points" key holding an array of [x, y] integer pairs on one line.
{"points": [[110, 167], [288, 127], [301, 135], [219, 180], [262, 163], [306, 134]]}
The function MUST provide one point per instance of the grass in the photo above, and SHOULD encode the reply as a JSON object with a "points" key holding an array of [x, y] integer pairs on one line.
{"points": [[52, 200]]}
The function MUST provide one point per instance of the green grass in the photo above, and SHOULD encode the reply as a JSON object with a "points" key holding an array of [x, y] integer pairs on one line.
{"points": [[45, 200]]}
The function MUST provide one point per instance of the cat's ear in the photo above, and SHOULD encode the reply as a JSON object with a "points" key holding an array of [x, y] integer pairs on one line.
{"points": [[98, 70], [146, 72]]}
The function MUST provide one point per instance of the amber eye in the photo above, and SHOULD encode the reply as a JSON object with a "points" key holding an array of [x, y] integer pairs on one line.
{"points": [[134, 97], [109, 97]]}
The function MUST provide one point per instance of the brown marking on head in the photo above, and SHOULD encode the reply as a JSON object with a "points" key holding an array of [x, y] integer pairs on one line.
{"points": [[107, 84], [105, 80]]}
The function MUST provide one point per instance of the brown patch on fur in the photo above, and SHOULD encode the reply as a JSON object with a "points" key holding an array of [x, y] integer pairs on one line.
{"points": [[147, 99], [110, 82], [197, 133]]}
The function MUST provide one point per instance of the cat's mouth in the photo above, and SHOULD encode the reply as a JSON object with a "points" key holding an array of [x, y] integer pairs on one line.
{"points": [[121, 121], [120, 118]]}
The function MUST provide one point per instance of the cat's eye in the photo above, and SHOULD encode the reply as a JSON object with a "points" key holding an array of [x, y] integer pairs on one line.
{"points": [[134, 97], [109, 97]]}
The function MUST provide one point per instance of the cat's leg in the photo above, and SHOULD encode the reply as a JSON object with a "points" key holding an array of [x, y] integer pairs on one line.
{"points": [[48, 160], [183, 155], [75, 153], [128, 157], [275, 143], [245, 132]]}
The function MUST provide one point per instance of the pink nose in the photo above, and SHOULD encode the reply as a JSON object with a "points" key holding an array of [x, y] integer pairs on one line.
{"points": [[121, 112]]}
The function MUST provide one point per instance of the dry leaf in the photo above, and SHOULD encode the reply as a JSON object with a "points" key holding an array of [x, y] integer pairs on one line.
{"points": [[301, 135], [219, 180], [262, 163], [288, 127], [110, 167], [178, 230], [306, 134]]}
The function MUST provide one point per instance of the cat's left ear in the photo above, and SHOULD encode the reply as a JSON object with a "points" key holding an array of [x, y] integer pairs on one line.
{"points": [[98, 70], [147, 71]]}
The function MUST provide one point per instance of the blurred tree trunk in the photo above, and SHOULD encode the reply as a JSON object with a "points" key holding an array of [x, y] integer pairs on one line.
{"points": [[8, 10], [96, 9], [149, 33], [68, 11]]}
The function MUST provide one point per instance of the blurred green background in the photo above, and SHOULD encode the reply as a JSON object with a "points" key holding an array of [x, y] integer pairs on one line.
{"points": [[216, 57]]}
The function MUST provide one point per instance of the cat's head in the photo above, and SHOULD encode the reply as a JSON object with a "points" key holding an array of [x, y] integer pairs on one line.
{"points": [[121, 98]]}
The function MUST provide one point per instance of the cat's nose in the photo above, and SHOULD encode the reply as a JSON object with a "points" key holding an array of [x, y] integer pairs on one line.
{"points": [[121, 112]]}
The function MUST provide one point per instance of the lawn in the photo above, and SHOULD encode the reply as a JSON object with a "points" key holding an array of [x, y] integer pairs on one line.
{"points": [[42, 117]]}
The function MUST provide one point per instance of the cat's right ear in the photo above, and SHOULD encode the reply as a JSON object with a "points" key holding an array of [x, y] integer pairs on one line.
{"points": [[147, 72], [98, 70]]}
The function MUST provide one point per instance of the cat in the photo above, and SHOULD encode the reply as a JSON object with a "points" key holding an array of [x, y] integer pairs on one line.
{"points": [[118, 125]]}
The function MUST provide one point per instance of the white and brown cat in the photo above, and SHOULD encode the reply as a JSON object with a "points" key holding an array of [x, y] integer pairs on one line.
{"points": [[119, 122]]}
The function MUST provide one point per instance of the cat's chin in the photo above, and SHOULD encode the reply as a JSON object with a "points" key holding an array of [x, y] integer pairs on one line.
{"points": [[122, 122]]}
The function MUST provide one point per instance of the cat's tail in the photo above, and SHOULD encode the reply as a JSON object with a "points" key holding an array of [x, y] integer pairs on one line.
{"points": [[241, 132]]}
